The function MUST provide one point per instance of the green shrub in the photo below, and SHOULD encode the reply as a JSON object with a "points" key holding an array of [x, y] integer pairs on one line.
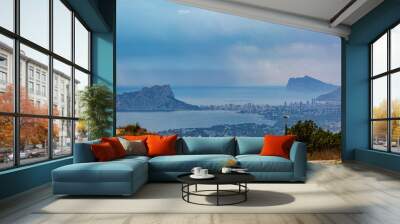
{"points": [[315, 137]]}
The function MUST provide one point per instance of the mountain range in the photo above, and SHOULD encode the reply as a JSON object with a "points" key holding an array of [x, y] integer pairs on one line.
{"points": [[309, 84], [162, 98]]}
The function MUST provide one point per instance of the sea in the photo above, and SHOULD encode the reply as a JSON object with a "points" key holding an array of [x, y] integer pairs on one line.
{"points": [[160, 121]]}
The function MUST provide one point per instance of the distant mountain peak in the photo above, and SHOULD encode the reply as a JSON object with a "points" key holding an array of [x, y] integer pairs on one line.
{"points": [[306, 76], [309, 84], [164, 90], [154, 98], [334, 96]]}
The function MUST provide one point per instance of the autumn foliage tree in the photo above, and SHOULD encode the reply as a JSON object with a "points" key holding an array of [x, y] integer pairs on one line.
{"points": [[33, 131], [379, 128], [132, 129], [6, 122]]}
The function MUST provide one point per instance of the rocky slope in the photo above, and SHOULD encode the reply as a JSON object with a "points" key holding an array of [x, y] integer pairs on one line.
{"points": [[333, 96], [155, 98]]}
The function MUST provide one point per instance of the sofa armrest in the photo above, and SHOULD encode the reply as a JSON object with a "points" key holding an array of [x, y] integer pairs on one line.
{"points": [[298, 155], [83, 152]]}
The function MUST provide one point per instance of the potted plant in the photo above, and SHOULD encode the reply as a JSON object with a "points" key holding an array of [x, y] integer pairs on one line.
{"points": [[96, 103]]}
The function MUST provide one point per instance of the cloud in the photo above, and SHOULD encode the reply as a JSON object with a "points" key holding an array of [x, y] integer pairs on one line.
{"points": [[237, 65], [275, 65], [209, 48], [183, 11], [166, 17]]}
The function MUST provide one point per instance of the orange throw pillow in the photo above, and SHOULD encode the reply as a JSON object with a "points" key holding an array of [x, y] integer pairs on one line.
{"points": [[277, 145], [116, 145], [103, 152], [135, 137], [161, 145]]}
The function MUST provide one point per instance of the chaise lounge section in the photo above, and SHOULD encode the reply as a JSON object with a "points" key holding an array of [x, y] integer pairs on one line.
{"points": [[88, 177], [125, 176]]}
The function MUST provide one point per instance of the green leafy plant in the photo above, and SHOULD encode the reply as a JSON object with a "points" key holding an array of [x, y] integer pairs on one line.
{"points": [[97, 109]]}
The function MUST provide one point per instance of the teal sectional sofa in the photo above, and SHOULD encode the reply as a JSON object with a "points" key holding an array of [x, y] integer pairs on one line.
{"points": [[125, 176]]}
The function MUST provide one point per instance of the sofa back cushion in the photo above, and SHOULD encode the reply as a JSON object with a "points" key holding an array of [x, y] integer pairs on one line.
{"points": [[207, 145], [83, 152], [249, 145]]}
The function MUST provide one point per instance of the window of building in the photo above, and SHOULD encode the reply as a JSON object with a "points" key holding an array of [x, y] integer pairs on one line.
{"points": [[3, 78], [37, 75], [385, 94], [6, 71], [62, 73], [30, 87], [37, 89], [3, 72], [54, 125], [44, 91], [31, 75], [3, 61], [55, 101]]}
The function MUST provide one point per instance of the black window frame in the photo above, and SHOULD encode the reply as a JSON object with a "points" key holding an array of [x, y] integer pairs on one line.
{"points": [[388, 74], [16, 114]]}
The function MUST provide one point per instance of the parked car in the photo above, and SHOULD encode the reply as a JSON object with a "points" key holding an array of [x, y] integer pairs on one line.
{"points": [[22, 155]]}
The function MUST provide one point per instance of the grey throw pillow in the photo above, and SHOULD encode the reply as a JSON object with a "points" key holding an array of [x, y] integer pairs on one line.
{"points": [[137, 148]]}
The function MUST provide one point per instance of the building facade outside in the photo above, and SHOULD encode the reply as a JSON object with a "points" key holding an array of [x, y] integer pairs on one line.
{"points": [[34, 82]]}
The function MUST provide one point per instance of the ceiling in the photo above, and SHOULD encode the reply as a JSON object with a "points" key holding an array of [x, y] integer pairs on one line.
{"points": [[328, 16]]}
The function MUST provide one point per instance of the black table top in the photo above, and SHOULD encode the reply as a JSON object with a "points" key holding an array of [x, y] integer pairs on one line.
{"points": [[220, 178]]}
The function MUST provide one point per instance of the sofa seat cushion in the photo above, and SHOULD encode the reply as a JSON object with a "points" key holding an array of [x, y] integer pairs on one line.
{"points": [[112, 171], [133, 157], [257, 163], [185, 163], [207, 145]]}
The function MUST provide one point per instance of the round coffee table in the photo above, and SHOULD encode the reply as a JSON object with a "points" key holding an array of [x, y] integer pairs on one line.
{"points": [[238, 179]]}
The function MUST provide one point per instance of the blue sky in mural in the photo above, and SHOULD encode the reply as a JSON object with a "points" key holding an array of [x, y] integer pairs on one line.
{"points": [[160, 42]]}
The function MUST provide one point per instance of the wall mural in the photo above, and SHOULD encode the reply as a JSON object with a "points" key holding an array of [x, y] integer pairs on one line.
{"points": [[194, 72]]}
